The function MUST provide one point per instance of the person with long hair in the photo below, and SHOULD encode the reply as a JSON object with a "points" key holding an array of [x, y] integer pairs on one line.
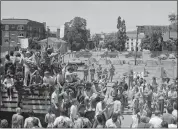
{"points": [[17, 119], [63, 121], [50, 118], [135, 118], [29, 121], [113, 122], [82, 121], [9, 83]]}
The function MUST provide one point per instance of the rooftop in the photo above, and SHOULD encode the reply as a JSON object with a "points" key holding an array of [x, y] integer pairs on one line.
{"points": [[16, 21], [134, 35]]}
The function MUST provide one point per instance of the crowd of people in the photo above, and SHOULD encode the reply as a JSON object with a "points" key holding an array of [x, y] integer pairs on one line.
{"points": [[84, 103]]}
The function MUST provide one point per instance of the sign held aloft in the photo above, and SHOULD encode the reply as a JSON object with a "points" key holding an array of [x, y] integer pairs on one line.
{"points": [[24, 43]]}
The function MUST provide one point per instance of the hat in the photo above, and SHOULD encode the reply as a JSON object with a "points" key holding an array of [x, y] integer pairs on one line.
{"points": [[27, 52], [46, 72]]}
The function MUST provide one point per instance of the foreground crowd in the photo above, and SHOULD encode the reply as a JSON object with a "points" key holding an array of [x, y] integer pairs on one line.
{"points": [[78, 103]]}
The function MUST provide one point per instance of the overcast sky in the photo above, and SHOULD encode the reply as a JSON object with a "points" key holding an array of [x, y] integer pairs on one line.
{"points": [[101, 16]]}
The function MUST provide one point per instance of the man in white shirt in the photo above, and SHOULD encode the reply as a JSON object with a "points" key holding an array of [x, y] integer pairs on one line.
{"points": [[73, 110], [114, 122], [156, 120], [55, 103]]}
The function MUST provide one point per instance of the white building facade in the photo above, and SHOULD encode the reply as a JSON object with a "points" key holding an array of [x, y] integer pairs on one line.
{"points": [[130, 44]]}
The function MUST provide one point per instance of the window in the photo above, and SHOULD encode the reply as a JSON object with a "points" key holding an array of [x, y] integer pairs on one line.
{"points": [[6, 40], [127, 39], [131, 39], [6, 27], [39, 30], [6, 34], [30, 28], [20, 27], [21, 34]]}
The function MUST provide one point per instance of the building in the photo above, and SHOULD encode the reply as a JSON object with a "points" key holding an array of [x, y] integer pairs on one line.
{"points": [[131, 41], [13, 29]]}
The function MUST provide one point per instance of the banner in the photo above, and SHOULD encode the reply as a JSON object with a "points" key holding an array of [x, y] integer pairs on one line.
{"points": [[24, 43]]}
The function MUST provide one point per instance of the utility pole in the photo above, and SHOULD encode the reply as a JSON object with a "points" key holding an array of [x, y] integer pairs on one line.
{"points": [[136, 47], [47, 35], [9, 43]]}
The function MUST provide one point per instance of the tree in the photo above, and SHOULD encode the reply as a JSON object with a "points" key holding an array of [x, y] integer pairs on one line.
{"points": [[121, 34], [173, 18], [153, 41], [110, 41], [76, 32], [96, 38]]}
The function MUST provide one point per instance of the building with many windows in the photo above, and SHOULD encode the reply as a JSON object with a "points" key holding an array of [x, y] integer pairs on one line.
{"points": [[131, 41], [13, 29]]}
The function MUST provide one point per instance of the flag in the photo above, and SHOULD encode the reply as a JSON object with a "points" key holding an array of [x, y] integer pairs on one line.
{"points": [[141, 29]]}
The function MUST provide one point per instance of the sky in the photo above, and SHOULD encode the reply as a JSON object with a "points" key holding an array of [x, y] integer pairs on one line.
{"points": [[101, 16]]}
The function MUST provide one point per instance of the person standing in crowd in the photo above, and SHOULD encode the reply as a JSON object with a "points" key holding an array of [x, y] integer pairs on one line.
{"points": [[161, 100], [117, 107], [90, 94], [49, 81], [149, 97], [175, 110], [27, 66], [60, 78], [35, 82], [63, 121], [12, 57], [99, 72], [9, 83], [111, 72], [73, 110], [113, 122], [130, 79], [8, 65], [69, 75], [55, 102], [92, 72], [82, 121], [143, 123], [156, 120], [135, 118], [29, 121], [168, 117], [86, 73], [17, 119], [50, 118], [18, 83], [35, 123], [154, 83], [172, 95]]}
